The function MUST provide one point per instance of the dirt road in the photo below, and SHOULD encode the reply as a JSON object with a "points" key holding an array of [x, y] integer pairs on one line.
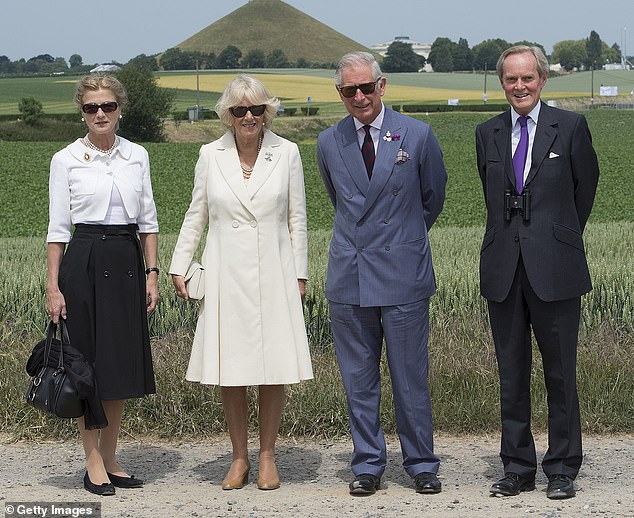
{"points": [[183, 480]]}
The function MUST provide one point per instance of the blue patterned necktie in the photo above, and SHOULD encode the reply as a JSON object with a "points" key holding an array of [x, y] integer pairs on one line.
{"points": [[367, 150], [521, 151]]}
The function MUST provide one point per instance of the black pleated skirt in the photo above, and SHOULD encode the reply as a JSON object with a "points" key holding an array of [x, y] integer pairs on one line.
{"points": [[102, 278]]}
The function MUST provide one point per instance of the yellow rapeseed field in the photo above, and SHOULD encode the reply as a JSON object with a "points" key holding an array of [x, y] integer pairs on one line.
{"points": [[295, 89]]}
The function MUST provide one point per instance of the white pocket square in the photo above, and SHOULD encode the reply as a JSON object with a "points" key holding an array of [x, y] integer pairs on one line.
{"points": [[553, 155]]}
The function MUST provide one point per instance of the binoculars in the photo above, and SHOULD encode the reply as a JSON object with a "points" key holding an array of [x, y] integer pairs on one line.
{"points": [[517, 204]]}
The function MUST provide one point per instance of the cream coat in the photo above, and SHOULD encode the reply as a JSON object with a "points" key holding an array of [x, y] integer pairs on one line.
{"points": [[251, 325]]}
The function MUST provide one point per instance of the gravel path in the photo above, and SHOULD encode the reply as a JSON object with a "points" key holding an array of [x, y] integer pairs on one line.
{"points": [[183, 480]]}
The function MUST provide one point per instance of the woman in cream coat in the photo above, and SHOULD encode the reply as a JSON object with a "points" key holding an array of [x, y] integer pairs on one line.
{"points": [[249, 192]]}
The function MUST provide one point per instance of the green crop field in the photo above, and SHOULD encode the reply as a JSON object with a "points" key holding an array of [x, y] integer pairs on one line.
{"points": [[24, 170]]}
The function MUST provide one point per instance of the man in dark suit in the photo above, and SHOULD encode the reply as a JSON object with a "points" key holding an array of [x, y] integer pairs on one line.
{"points": [[539, 173], [385, 175]]}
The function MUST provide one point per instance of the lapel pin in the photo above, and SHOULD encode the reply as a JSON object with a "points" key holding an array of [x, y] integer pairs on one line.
{"points": [[86, 157], [388, 137], [268, 156]]}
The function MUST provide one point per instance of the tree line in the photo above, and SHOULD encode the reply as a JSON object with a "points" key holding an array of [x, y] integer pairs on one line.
{"points": [[43, 64], [591, 52], [445, 56], [230, 57]]}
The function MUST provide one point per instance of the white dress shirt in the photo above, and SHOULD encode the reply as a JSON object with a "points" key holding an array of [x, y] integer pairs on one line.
{"points": [[81, 186], [375, 129]]}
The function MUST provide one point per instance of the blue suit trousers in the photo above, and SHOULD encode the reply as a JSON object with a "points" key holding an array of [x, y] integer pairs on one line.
{"points": [[358, 334]]}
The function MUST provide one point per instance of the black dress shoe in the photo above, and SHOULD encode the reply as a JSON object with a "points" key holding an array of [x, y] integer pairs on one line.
{"points": [[512, 484], [364, 485], [560, 487], [104, 489], [427, 483], [125, 482]]}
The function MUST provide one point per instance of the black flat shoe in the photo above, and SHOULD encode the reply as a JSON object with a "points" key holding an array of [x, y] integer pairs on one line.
{"points": [[365, 485], [427, 483], [104, 489], [512, 485], [125, 482], [560, 487]]}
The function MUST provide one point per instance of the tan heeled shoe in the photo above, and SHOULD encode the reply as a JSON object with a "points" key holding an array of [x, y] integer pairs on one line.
{"points": [[268, 477], [237, 482]]}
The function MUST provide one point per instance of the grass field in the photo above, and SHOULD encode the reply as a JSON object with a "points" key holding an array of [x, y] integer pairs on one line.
{"points": [[463, 372]]}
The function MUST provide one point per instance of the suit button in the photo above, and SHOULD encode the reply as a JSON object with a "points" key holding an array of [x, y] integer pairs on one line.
{"points": [[349, 196], [106, 273], [253, 224], [387, 248], [130, 274], [103, 238], [234, 224], [386, 221], [395, 192], [516, 238]]}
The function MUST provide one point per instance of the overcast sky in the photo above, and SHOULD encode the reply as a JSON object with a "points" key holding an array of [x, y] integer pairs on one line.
{"points": [[122, 29]]}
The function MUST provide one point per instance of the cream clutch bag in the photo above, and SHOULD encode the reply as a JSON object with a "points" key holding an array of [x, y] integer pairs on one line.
{"points": [[195, 281]]}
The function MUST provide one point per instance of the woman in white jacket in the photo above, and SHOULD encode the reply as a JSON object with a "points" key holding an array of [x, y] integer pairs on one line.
{"points": [[100, 184], [249, 192]]}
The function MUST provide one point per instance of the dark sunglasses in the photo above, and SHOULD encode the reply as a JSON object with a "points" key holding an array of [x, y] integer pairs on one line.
{"points": [[351, 91], [241, 111], [107, 107]]}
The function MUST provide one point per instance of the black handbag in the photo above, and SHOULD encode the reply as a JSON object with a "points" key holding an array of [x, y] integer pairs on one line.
{"points": [[51, 389]]}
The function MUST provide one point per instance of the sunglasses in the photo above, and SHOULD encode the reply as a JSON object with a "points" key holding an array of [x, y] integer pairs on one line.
{"points": [[107, 107], [241, 111], [351, 91]]}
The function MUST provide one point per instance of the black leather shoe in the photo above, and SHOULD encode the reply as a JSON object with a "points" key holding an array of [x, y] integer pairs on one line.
{"points": [[364, 485], [104, 489], [427, 483], [512, 484], [125, 482], [560, 487]]}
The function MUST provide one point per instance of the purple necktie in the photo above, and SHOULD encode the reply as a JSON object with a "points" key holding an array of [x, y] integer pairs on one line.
{"points": [[519, 158], [367, 150]]}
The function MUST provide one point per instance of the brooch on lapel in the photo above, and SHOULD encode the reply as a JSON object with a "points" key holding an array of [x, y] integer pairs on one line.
{"points": [[268, 156], [402, 156], [86, 157], [388, 137]]}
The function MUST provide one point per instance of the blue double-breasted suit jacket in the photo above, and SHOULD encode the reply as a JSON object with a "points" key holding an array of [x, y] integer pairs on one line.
{"points": [[380, 253]]}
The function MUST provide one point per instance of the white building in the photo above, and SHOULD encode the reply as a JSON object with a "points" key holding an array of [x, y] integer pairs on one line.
{"points": [[105, 68], [422, 49]]}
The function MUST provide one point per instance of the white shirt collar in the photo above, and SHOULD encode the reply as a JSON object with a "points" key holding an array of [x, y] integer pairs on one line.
{"points": [[376, 123], [533, 114]]}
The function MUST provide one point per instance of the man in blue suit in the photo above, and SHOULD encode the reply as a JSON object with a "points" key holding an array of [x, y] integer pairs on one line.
{"points": [[386, 178]]}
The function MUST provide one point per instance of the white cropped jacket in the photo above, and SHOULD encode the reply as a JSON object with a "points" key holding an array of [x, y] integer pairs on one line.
{"points": [[80, 187]]}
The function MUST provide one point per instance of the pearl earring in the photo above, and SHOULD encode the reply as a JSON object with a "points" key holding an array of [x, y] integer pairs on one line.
{"points": [[82, 119]]}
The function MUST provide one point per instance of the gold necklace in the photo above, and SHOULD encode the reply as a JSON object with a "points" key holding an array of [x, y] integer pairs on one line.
{"points": [[246, 171], [86, 141]]}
